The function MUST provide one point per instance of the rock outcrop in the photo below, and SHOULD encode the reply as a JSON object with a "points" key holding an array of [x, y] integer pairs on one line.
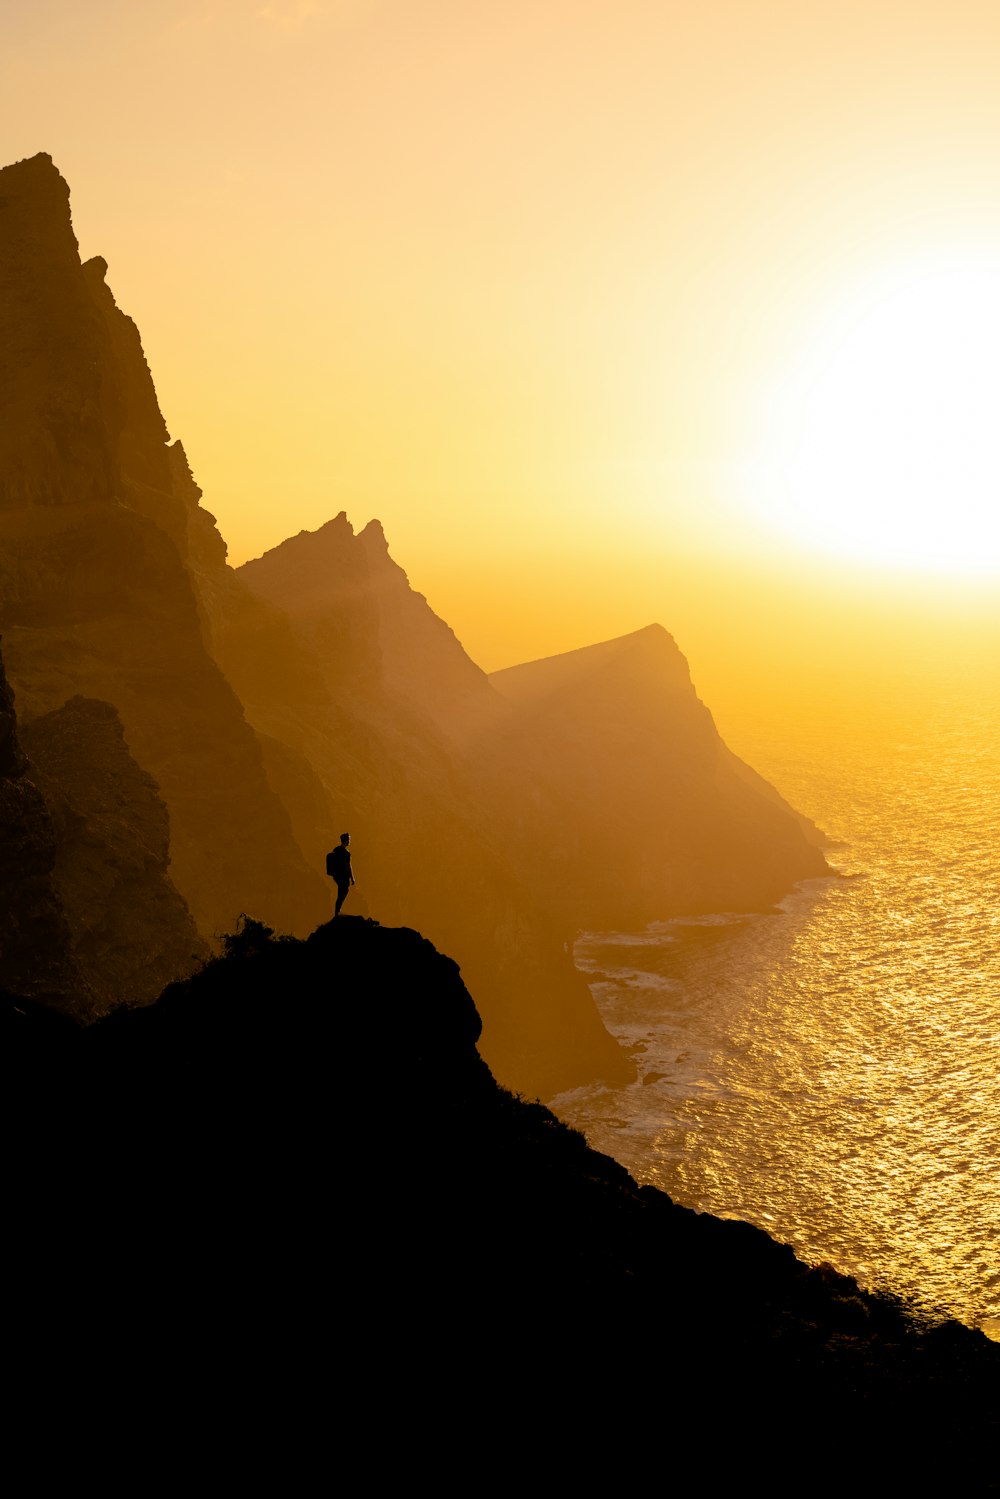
{"points": [[35, 944], [501, 1299], [90, 918], [131, 933]]}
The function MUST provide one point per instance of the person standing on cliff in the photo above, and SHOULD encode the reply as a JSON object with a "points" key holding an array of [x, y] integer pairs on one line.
{"points": [[338, 867]]}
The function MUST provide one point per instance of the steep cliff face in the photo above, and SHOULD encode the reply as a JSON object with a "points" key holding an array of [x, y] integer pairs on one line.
{"points": [[98, 522], [502, 815], [313, 691], [599, 774], [114, 587], [55, 448], [422, 659], [384, 744], [641, 808]]}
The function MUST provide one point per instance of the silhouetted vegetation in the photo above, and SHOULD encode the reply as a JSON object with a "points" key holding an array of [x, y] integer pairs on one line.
{"points": [[250, 937]]}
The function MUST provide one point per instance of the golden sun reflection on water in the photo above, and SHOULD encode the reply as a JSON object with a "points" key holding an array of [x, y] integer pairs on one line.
{"points": [[829, 1072]]}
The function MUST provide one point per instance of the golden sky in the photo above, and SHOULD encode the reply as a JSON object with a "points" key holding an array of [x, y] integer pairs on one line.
{"points": [[610, 310]]}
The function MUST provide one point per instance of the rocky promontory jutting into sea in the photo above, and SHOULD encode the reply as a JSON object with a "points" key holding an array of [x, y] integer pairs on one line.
{"points": [[256, 712]]}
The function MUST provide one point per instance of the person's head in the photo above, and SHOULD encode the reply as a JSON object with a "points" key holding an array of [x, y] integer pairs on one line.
{"points": [[345, 838]]}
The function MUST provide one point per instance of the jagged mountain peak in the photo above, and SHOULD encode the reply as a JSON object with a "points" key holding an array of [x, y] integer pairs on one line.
{"points": [[309, 548], [331, 532], [349, 588], [303, 573]]}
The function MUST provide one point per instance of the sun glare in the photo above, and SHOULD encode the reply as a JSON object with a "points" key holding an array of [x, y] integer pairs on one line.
{"points": [[883, 443]]}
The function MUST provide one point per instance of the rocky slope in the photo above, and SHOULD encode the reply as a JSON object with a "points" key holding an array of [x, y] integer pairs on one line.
{"points": [[476, 1291]]}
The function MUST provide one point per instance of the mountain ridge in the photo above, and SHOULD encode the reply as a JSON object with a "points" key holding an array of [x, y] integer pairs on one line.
{"points": [[314, 690]]}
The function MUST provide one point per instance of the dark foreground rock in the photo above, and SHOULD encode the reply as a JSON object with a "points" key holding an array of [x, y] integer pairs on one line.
{"points": [[287, 1212]]}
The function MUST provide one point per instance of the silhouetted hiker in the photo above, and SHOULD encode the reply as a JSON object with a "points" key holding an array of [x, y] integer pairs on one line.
{"points": [[338, 867]]}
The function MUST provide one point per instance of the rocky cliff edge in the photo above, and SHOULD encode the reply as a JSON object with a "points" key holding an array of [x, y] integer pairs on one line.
{"points": [[301, 1199]]}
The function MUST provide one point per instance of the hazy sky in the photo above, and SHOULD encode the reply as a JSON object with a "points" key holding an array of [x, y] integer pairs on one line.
{"points": [[610, 312]]}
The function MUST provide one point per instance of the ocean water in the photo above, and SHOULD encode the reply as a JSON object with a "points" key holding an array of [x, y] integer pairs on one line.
{"points": [[830, 1071]]}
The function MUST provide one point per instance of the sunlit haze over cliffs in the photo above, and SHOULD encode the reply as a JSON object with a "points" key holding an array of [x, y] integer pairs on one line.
{"points": [[609, 314]]}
